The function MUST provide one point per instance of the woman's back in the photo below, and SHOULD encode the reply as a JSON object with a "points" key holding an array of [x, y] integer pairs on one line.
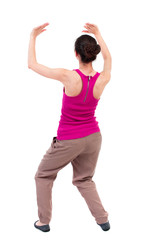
{"points": [[74, 86], [77, 119]]}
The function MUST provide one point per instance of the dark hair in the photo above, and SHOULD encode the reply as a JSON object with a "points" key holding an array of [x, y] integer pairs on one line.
{"points": [[87, 47]]}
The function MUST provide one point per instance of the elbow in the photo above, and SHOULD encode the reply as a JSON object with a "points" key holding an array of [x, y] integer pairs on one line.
{"points": [[29, 65], [108, 57]]}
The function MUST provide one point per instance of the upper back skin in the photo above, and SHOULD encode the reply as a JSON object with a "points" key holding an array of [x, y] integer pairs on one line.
{"points": [[73, 85]]}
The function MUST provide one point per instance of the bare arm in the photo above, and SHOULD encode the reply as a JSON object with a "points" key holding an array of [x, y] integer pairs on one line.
{"points": [[104, 49], [105, 52], [54, 73], [92, 28]]}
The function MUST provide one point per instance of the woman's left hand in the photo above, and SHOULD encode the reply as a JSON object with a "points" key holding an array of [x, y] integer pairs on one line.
{"points": [[37, 30]]}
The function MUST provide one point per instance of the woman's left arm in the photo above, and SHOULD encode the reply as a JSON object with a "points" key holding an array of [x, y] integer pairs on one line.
{"points": [[59, 74]]}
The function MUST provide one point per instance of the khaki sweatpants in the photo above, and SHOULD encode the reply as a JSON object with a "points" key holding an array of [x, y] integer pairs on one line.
{"points": [[83, 154]]}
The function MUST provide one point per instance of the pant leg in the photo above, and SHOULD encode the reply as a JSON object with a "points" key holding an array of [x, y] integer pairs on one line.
{"points": [[83, 170], [56, 157]]}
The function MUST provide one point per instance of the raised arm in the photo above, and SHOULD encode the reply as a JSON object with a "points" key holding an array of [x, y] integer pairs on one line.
{"points": [[92, 28], [105, 53], [54, 73]]}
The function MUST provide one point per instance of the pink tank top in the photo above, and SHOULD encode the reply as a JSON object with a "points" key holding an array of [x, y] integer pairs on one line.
{"points": [[77, 118]]}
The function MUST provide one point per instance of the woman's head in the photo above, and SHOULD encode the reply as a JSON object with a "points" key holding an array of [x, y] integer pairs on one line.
{"points": [[87, 47]]}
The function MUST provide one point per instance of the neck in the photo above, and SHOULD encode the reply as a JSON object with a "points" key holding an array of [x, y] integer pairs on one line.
{"points": [[86, 67]]}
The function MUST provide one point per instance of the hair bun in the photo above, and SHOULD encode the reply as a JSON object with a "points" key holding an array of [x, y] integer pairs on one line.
{"points": [[91, 50], [98, 48], [87, 47]]}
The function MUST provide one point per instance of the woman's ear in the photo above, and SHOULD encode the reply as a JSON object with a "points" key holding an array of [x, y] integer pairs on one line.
{"points": [[76, 54]]}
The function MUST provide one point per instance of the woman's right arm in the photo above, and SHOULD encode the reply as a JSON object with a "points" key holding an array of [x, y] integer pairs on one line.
{"points": [[105, 52], [92, 28]]}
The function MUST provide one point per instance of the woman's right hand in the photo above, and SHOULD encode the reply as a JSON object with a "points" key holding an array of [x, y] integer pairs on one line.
{"points": [[91, 28]]}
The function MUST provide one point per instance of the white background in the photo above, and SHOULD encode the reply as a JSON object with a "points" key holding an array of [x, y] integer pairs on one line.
{"points": [[31, 107]]}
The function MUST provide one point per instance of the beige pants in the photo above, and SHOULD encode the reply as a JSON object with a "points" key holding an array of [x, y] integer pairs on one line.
{"points": [[83, 154]]}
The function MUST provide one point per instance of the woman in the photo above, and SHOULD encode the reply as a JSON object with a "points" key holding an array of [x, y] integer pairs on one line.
{"points": [[78, 139]]}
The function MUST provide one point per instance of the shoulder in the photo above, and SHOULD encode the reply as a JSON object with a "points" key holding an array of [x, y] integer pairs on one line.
{"points": [[70, 76], [69, 73], [105, 76]]}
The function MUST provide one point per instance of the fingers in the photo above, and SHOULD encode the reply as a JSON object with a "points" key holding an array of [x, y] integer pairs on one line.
{"points": [[42, 26], [88, 27], [90, 24]]}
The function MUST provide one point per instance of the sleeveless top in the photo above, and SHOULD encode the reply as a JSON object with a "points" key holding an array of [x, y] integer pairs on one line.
{"points": [[77, 118]]}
